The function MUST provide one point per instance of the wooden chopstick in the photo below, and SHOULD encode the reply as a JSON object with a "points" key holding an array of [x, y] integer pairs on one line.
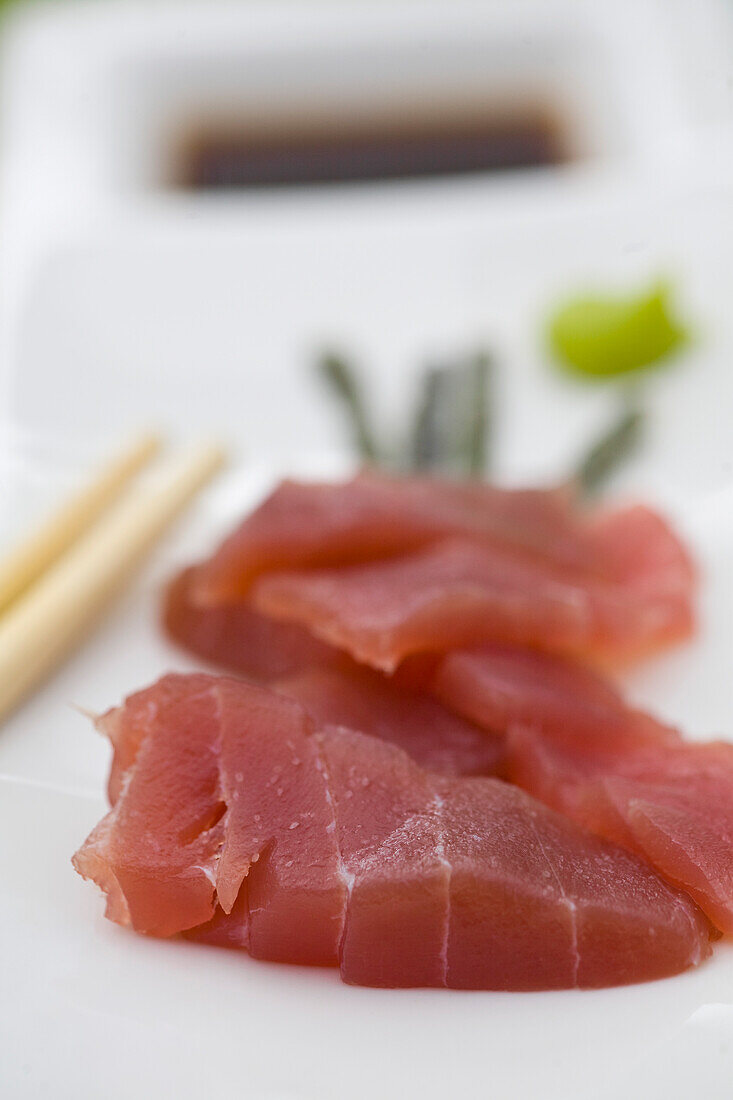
{"points": [[34, 554], [43, 625]]}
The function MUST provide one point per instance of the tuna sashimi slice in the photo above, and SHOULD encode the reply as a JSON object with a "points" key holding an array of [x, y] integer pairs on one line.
{"points": [[279, 828], [334, 689], [235, 637], [535, 904], [238, 824], [574, 743], [671, 803], [225, 929], [375, 516], [472, 884], [389, 840], [155, 853], [638, 547], [439, 740], [222, 782], [457, 593], [498, 686]]}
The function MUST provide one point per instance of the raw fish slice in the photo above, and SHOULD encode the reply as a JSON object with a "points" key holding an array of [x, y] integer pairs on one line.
{"points": [[457, 594], [499, 686], [129, 725], [375, 516], [639, 548], [235, 637], [155, 853], [645, 558], [577, 746], [389, 841], [470, 883], [225, 929], [185, 823], [452, 594], [685, 830], [280, 828], [363, 700], [672, 803], [466, 882], [238, 638], [536, 904]]}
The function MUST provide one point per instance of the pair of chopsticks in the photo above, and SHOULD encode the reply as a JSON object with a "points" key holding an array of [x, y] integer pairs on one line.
{"points": [[57, 581]]}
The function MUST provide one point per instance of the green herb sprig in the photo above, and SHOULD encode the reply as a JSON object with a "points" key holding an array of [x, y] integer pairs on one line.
{"points": [[342, 379], [610, 451], [449, 430]]}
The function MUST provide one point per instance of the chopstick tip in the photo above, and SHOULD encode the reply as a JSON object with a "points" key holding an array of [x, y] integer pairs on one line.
{"points": [[85, 712], [213, 455]]}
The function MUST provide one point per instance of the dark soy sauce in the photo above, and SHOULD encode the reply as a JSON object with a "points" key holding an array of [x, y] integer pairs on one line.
{"points": [[229, 157]]}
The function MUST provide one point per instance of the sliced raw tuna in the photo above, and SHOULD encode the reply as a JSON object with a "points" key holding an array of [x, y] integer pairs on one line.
{"points": [[637, 547], [184, 832], [375, 516], [436, 738], [458, 593], [535, 904], [238, 824], [225, 929], [335, 690], [389, 839], [499, 686], [237, 638], [473, 885], [279, 831], [671, 803], [574, 743], [642, 556], [155, 854]]}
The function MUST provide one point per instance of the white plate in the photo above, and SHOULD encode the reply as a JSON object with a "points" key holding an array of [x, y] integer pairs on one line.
{"points": [[112, 292], [89, 1010]]}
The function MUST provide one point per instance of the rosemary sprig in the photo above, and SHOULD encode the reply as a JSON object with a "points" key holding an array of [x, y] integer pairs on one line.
{"points": [[479, 422], [343, 381], [611, 450], [425, 445], [451, 427], [451, 432]]}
